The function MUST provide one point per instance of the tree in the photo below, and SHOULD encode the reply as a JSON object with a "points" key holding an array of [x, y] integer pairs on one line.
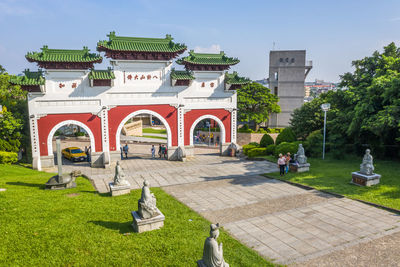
{"points": [[365, 113], [256, 103], [14, 126]]}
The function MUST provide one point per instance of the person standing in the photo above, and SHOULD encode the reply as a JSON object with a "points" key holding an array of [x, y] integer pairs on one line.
{"points": [[122, 153], [212, 138], [281, 164], [126, 150], [287, 161], [159, 150], [89, 154], [162, 150], [153, 152]]}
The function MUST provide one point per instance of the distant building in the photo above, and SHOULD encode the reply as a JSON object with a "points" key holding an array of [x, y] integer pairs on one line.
{"points": [[314, 89], [287, 72]]}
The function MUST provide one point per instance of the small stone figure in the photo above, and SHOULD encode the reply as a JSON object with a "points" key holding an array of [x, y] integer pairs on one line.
{"points": [[367, 165], [300, 156], [212, 252], [147, 202], [119, 178]]}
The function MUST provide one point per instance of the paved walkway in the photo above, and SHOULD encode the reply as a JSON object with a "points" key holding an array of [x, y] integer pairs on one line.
{"points": [[282, 222]]}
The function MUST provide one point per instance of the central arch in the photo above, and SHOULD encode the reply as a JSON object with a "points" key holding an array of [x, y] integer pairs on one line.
{"points": [[63, 123], [220, 124], [138, 112]]}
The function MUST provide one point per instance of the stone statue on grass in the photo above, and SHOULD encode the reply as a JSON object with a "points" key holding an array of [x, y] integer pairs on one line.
{"points": [[147, 202], [300, 161], [119, 186], [212, 252], [148, 217], [367, 165], [366, 175]]}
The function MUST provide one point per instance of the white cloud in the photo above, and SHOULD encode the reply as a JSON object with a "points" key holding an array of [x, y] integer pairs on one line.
{"points": [[213, 49], [11, 7]]}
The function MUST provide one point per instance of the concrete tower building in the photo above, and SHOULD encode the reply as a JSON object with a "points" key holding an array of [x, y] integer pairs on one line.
{"points": [[288, 70]]}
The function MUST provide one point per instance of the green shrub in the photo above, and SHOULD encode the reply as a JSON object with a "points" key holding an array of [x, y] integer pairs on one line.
{"points": [[286, 147], [10, 146], [266, 140], [247, 147], [259, 151], [254, 144], [287, 135], [313, 144], [270, 149], [79, 134], [8, 157], [261, 130], [274, 130]]}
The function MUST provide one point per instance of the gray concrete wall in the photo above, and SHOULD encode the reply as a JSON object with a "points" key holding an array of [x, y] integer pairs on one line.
{"points": [[287, 72]]}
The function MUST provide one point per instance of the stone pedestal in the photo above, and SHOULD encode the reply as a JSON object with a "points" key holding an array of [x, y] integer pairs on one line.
{"points": [[54, 183], [294, 167], [200, 263], [365, 180], [117, 190], [143, 225]]}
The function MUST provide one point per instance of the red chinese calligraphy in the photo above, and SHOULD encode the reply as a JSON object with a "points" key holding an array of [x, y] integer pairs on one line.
{"points": [[212, 84], [136, 77], [129, 77], [149, 77], [142, 77], [155, 77], [61, 85], [73, 85], [203, 84]]}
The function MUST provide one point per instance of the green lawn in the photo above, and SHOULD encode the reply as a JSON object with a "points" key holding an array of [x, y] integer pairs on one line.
{"points": [[156, 131], [155, 137], [81, 227], [335, 176]]}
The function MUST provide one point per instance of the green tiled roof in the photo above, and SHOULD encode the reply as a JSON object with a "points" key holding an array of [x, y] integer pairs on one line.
{"points": [[208, 59], [101, 75], [233, 78], [30, 78], [181, 75], [120, 43], [63, 55]]}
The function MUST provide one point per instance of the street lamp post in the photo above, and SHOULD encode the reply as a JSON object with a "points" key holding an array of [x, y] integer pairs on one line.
{"points": [[325, 107]]}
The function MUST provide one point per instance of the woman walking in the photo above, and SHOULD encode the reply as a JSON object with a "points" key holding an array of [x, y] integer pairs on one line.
{"points": [[282, 165]]}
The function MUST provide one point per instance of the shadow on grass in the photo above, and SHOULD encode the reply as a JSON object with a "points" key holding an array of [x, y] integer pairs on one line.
{"points": [[97, 193], [40, 186], [121, 227]]}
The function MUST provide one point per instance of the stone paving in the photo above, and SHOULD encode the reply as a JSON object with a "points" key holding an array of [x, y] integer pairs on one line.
{"points": [[281, 222]]}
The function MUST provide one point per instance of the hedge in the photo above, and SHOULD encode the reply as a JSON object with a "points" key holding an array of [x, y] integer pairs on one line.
{"points": [[287, 135], [259, 151], [8, 157], [246, 148], [270, 149], [286, 147], [266, 140]]}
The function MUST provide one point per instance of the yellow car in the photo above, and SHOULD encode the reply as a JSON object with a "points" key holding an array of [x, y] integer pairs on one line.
{"points": [[74, 154]]}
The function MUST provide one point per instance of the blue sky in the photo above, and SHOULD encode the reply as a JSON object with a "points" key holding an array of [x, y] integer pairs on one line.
{"points": [[333, 32]]}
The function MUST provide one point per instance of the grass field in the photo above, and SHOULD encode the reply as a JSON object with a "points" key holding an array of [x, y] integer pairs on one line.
{"points": [[155, 137], [81, 227], [335, 176], [156, 131]]}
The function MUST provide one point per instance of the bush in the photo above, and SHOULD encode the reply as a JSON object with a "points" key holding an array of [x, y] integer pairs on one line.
{"points": [[313, 144], [254, 144], [286, 147], [247, 147], [266, 140], [10, 146], [79, 134], [270, 149], [287, 135], [259, 151], [8, 157], [274, 130]]}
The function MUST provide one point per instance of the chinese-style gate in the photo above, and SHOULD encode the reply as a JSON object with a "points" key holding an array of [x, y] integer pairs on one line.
{"points": [[141, 81]]}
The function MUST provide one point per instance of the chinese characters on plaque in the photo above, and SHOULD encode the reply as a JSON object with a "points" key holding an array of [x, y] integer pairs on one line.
{"points": [[143, 77]]}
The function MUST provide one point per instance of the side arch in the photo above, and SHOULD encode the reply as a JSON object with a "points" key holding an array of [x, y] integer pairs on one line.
{"points": [[220, 124], [138, 112], [63, 123]]}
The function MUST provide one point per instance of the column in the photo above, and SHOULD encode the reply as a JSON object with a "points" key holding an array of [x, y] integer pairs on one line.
{"points": [[233, 125], [181, 128], [105, 136], [36, 164]]}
